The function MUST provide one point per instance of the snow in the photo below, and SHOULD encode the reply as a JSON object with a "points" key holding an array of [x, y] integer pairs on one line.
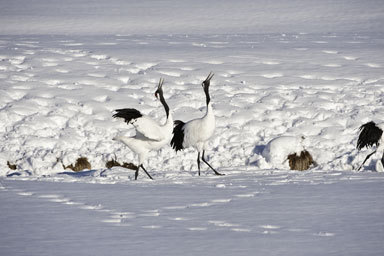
{"points": [[284, 70]]}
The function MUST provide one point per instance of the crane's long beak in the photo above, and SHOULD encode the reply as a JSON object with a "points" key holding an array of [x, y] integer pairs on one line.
{"points": [[159, 88], [207, 80], [209, 77]]}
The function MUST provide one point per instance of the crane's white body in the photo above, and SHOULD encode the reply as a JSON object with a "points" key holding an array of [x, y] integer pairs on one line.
{"points": [[198, 131], [380, 150], [150, 136]]}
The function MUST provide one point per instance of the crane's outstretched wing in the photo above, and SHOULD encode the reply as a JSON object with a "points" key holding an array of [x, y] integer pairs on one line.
{"points": [[145, 126], [149, 128], [128, 114]]}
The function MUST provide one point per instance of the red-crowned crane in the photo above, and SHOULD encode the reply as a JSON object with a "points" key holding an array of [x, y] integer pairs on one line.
{"points": [[149, 134], [196, 132], [371, 134]]}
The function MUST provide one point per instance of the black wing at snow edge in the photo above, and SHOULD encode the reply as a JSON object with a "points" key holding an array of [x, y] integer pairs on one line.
{"points": [[128, 114], [178, 135], [370, 135]]}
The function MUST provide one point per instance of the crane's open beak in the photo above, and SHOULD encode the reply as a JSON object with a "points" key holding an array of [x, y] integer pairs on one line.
{"points": [[208, 79]]}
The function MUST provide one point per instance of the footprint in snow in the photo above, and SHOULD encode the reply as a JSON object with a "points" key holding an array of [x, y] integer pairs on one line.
{"points": [[213, 62], [350, 58], [150, 213], [330, 52], [373, 65], [72, 44], [324, 234], [25, 193], [219, 223], [270, 62], [332, 65], [241, 230], [197, 228], [152, 227], [97, 75], [63, 71], [170, 73], [99, 56], [272, 75], [49, 64]]}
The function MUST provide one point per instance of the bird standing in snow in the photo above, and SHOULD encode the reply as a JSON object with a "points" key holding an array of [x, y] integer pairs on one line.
{"points": [[149, 134], [196, 132], [372, 134]]}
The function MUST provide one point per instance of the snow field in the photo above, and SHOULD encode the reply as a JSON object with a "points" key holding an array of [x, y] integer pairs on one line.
{"points": [[59, 93], [273, 211]]}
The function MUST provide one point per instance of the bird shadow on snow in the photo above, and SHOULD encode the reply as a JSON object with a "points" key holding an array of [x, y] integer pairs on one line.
{"points": [[258, 149], [114, 172], [88, 173], [257, 153]]}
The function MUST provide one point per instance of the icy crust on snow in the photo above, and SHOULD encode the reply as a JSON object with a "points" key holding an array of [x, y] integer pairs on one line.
{"points": [[58, 94]]}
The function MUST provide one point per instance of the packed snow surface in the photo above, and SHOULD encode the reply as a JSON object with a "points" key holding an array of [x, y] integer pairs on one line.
{"points": [[289, 75]]}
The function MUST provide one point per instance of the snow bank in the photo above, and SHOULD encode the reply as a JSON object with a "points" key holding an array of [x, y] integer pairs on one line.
{"points": [[58, 94]]}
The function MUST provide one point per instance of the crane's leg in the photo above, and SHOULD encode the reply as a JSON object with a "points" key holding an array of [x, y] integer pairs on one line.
{"points": [[198, 161], [368, 156], [137, 172], [382, 159], [217, 173], [142, 167]]}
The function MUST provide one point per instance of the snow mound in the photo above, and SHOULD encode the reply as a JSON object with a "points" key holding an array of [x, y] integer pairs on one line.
{"points": [[278, 149]]}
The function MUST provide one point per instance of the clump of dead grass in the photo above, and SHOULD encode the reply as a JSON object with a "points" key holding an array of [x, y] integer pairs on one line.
{"points": [[11, 166], [113, 163], [82, 163], [300, 162]]}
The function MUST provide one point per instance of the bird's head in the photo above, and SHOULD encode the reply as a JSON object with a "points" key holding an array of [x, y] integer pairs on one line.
{"points": [[159, 91], [207, 82]]}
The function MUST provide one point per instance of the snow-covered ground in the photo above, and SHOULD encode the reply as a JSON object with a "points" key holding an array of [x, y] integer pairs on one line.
{"points": [[59, 93], [263, 213], [311, 69]]}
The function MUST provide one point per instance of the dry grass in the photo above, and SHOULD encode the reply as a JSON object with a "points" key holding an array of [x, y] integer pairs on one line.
{"points": [[81, 164], [300, 162], [11, 166], [113, 163]]}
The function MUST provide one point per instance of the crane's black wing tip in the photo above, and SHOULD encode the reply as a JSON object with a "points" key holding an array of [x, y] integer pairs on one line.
{"points": [[370, 135], [128, 114], [178, 136]]}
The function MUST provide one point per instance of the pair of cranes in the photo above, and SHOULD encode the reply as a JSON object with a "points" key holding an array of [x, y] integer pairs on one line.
{"points": [[196, 133], [152, 136]]}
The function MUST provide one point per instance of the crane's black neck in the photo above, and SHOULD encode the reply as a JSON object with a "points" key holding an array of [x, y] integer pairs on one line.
{"points": [[162, 100], [207, 97]]}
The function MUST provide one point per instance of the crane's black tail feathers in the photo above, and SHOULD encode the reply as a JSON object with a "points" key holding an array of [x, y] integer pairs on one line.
{"points": [[127, 114], [178, 135], [370, 135]]}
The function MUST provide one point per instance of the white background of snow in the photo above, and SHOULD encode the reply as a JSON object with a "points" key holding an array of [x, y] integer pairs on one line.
{"points": [[282, 68]]}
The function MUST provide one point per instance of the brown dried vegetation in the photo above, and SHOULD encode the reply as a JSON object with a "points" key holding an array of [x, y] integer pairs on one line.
{"points": [[113, 163], [11, 166], [81, 164], [300, 162]]}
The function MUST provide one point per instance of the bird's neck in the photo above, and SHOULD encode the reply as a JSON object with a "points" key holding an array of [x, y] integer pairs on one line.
{"points": [[209, 114], [207, 97], [165, 105]]}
